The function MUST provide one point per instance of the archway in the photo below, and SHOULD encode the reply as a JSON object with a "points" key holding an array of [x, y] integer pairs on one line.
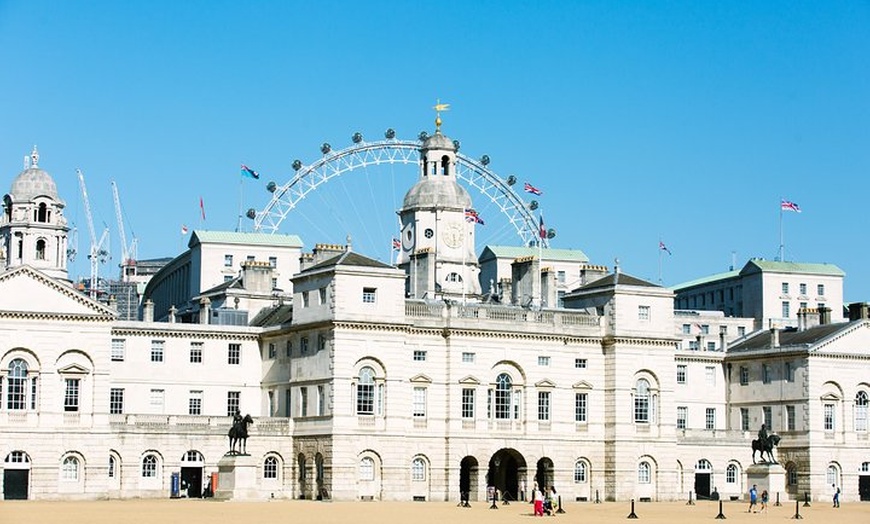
{"points": [[16, 476], [507, 473], [192, 464], [468, 479], [544, 473], [703, 475]]}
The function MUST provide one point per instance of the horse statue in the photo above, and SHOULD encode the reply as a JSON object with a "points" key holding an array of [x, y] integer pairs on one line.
{"points": [[767, 446], [238, 434]]}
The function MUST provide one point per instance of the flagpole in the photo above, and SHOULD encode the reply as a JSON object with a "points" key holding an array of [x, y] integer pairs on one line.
{"points": [[241, 187], [781, 238], [660, 260], [541, 264]]}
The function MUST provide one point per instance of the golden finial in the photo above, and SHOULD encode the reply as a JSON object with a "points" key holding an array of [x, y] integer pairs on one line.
{"points": [[438, 108]]}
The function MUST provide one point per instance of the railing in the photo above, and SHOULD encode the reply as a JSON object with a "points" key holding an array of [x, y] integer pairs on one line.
{"points": [[437, 310]]}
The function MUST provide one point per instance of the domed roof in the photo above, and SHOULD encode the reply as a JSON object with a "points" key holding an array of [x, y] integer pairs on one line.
{"points": [[33, 182], [437, 192], [438, 141]]}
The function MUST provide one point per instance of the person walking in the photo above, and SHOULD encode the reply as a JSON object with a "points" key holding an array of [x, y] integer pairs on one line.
{"points": [[538, 499], [753, 498], [837, 498], [764, 499]]}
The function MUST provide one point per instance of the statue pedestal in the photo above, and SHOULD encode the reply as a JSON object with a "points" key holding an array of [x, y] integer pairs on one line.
{"points": [[770, 477], [237, 478]]}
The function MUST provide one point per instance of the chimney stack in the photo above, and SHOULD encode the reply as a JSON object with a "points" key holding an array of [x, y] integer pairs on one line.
{"points": [[204, 310], [774, 337], [148, 311], [824, 315], [859, 311]]}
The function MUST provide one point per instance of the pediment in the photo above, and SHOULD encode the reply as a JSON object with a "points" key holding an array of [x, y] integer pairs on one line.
{"points": [[27, 292], [830, 397], [73, 369], [582, 385], [421, 378], [853, 339], [546, 383], [470, 381]]}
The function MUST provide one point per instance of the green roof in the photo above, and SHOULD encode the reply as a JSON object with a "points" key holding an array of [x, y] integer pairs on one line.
{"points": [[794, 267], [255, 239], [564, 255], [706, 280]]}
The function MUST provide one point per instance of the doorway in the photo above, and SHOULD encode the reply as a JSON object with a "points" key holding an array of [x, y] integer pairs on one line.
{"points": [[507, 473]]}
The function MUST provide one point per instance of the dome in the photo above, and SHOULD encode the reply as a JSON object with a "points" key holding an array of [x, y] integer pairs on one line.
{"points": [[31, 183], [437, 192], [438, 141]]}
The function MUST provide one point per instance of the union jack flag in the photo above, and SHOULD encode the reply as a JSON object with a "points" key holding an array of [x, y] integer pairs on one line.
{"points": [[788, 205], [529, 188], [472, 216], [396, 244]]}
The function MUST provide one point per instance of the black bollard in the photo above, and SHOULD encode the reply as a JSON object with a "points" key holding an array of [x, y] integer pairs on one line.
{"points": [[777, 500], [691, 502], [494, 500], [720, 515], [597, 498], [632, 515], [797, 510], [806, 499], [560, 510], [504, 499]]}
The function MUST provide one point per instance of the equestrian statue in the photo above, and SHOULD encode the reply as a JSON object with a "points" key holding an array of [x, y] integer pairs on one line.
{"points": [[765, 443], [238, 434]]}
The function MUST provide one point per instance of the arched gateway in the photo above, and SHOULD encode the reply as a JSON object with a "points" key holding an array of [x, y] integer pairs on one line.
{"points": [[508, 474]]}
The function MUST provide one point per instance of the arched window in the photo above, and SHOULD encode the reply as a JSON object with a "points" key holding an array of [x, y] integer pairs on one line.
{"points": [[580, 472], [303, 468], [861, 402], [418, 469], [365, 392], [704, 465], [731, 474], [865, 467], [40, 249], [270, 468], [791, 477], [367, 469], [113, 465], [641, 402], [16, 395], [454, 277], [833, 475], [445, 165], [644, 473], [42, 213], [149, 466], [70, 469], [503, 390]]}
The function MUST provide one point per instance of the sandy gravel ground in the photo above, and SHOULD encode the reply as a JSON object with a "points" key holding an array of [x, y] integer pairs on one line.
{"points": [[183, 511]]}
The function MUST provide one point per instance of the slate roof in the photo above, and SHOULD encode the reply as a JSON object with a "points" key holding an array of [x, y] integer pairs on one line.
{"points": [[707, 280], [789, 337], [349, 258], [567, 255], [273, 316], [232, 237], [759, 264], [618, 279]]}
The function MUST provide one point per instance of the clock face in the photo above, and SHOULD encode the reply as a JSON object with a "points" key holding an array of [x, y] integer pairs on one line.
{"points": [[452, 235]]}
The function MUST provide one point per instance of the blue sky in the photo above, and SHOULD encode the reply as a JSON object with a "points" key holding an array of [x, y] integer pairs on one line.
{"points": [[640, 121]]}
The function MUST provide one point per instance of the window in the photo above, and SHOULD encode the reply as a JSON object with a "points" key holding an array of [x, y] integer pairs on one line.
{"points": [[272, 351], [832, 477], [503, 391], [820, 290], [118, 349], [234, 353], [765, 373], [693, 345], [468, 357], [365, 392], [682, 416], [543, 361], [233, 402], [790, 418], [829, 417], [156, 399], [157, 350], [228, 278], [149, 466], [711, 346], [303, 401], [803, 288], [580, 363], [785, 309], [321, 401], [767, 413], [288, 402], [303, 345], [681, 373], [744, 375], [273, 262], [643, 312], [71, 394], [305, 299], [40, 249], [731, 474], [580, 407], [270, 468], [228, 261], [367, 469], [250, 258], [194, 404], [785, 288], [196, 352], [744, 419], [710, 375], [791, 475], [710, 418], [419, 402], [579, 472], [288, 350], [70, 469], [741, 331], [789, 372], [644, 473], [861, 403], [687, 329], [468, 403], [641, 402], [322, 295], [543, 405], [113, 467], [369, 295], [560, 277], [705, 329], [419, 355], [418, 469], [454, 277], [116, 401]]}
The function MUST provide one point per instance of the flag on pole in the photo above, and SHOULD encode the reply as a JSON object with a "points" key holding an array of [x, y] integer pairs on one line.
{"points": [[202, 208], [250, 173], [664, 248], [542, 231], [788, 205], [529, 188], [397, 245], [472, 216], [183, 229]]}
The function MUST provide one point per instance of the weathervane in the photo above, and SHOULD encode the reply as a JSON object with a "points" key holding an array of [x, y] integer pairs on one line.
{"points": [[438, 108], [34, 157]]}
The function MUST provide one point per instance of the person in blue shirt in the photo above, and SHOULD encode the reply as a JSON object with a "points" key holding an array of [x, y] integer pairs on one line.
{"points": [[753, 498]]}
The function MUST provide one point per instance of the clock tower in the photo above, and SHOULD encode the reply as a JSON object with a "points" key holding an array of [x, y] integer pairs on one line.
{"points": [[438, 249]]}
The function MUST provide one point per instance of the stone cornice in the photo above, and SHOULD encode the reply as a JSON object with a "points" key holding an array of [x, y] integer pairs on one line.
{"points": [[202, 333], [55, 316]]}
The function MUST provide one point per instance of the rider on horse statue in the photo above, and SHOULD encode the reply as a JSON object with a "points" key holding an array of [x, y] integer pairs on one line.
{"points": [[765, 444]]}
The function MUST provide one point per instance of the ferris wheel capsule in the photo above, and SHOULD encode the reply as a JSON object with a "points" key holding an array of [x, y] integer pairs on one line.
{"points": [[252, 213], [456, 144], [390, 134], [484, 160], [511, 180], [423, 136], [271, 187], [325, 148], [297, 165], [551, 233], [357, 138], [533, 205]]}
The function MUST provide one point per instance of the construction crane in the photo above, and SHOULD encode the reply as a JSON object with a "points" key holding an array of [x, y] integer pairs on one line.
{"points": [[128, 254], [99, 251]]}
